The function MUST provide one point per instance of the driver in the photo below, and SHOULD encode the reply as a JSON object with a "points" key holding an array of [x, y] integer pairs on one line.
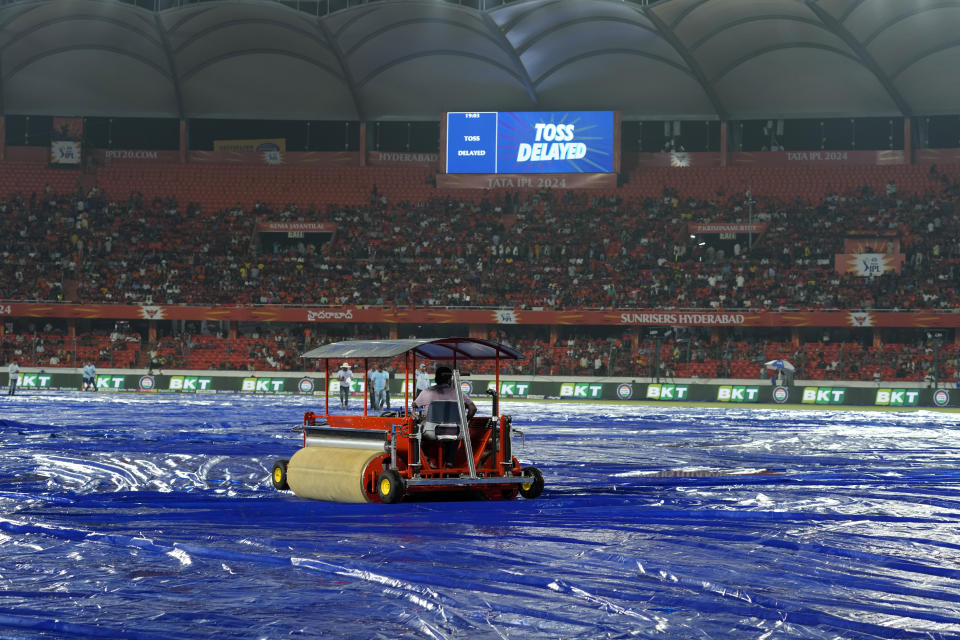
{"points": [[443, 390]]}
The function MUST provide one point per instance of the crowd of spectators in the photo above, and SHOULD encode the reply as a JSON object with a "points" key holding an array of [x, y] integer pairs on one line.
{"points": [[33, 255], [556, 250], [546, 250], [576, 354]]}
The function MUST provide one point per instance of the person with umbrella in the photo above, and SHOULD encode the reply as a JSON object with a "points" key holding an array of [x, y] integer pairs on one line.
{"points": [[784, 371]]}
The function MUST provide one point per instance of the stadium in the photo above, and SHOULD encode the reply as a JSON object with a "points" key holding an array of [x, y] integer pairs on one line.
{"points": [[690, 203], [826, 147]]}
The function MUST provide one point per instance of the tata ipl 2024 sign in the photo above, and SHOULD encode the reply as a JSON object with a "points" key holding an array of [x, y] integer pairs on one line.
{"points": [[530, 142]]}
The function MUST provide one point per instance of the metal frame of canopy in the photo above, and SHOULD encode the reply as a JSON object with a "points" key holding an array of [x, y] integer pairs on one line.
{"points": [[434, 349]]}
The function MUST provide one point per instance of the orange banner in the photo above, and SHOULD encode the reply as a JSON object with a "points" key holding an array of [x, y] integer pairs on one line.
{"points": [[875, 244], [420, 315]]}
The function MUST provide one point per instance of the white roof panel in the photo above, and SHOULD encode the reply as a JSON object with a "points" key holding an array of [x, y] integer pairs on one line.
{"points": [[730, 59]]}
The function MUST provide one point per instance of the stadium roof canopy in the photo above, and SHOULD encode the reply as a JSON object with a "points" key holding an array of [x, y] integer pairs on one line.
{"points": [[415, 59]]}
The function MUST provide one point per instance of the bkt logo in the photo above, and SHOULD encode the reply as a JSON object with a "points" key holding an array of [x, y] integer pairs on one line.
{"points": [[356, 386], [667, 392], [263, 385], [897, 397], [34, 381], [110, 382], [580, 390], [189, 383], [738, 394], [823, 395], [511, 389]]}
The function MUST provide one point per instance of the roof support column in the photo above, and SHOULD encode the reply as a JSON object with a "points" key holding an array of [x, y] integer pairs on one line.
{"points": [[671, 38], [363, 143], [171, 63], [908, 147], [183, 141], [344, 68], [723, 143], [834, 26]]}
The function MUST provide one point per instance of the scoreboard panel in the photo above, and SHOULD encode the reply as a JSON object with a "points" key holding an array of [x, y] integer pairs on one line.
{"points": [[530, 142]]}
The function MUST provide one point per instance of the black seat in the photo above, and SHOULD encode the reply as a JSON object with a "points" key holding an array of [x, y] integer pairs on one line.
{"points": [[442, 421]]}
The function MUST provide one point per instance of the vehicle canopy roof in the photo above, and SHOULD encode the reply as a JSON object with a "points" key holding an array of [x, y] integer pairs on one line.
{"points": [[429, 349]]}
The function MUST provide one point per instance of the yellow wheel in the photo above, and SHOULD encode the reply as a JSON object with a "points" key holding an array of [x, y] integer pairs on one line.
{"points": [[280, 475], [390, 487], [533, 483]]}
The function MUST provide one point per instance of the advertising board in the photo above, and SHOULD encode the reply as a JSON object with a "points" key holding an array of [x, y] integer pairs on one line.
{"points": [[903, 397], [823, 395], [738, 393]]}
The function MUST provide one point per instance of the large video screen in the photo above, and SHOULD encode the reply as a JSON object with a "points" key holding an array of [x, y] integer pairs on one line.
{"points": [[530, 142]]}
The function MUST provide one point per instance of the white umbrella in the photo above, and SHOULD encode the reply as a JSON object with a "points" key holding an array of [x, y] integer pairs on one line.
{"points": [[780, 364]]}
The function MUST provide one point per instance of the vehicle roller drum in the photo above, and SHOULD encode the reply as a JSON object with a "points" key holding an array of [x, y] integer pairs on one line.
{"points": [[345, 443], [334, 474]]}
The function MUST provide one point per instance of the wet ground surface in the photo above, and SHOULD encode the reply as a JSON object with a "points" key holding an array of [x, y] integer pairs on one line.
{"points": [[153, 517]]}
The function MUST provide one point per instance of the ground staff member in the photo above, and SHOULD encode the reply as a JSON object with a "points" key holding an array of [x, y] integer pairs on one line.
{"points": [[14, 371], [89, 377], [379, 380], [444, 390], [345, 376], [423, 380]]}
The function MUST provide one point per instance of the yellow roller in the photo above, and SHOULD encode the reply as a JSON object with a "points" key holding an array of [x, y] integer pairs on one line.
{"points": [[335, 474]]}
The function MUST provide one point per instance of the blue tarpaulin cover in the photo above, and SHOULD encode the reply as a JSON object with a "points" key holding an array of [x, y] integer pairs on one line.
{"points": [[133, 516]]}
